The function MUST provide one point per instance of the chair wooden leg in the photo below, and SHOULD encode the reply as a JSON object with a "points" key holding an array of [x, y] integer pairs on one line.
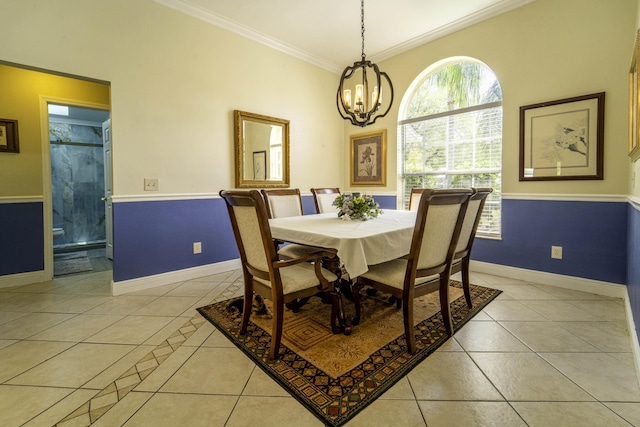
{"points": [[338, 319], [444, 305], [335, 311], [296, 304], [465, 281], [276, 328], [407, 314], [355, 290], [246, 310]]}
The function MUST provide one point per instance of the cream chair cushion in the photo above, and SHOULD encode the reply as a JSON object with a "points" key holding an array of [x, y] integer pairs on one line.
{"points": [[251, 236], [299, 277], [467, 225], [414, 201], [392, 273], [441, 220], [325, 202], [285, 206]]}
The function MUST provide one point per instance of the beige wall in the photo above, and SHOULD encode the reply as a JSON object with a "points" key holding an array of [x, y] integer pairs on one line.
{"points": [[547, 50], [175, 82], [634, 177], [21, 174]]}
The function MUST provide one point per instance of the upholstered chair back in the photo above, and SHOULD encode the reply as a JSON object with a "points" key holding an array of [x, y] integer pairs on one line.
{"points": [[323, 198], [414, 199], [439, 228], [251, 236], [472, 219], [282, 203]]}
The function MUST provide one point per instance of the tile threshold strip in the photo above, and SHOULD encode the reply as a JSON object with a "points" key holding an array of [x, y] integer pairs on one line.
{"points": [[89, 412]]}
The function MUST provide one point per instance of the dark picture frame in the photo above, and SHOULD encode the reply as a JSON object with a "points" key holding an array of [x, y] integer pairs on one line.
{"points": [[563, 139], [259, 165], [9, 142], [369, 159]]}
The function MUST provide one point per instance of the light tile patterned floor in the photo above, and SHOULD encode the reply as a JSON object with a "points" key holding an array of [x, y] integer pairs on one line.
{"points": [[72, 355]]}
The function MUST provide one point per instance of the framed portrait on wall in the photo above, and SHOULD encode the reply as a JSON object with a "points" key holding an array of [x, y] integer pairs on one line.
{"points": [[563, 139], [9, 136], [259, 165], [369, 159]]}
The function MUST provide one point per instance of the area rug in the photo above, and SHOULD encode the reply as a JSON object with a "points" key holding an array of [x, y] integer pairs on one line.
{"points": [[70, 263], [337, 376]]}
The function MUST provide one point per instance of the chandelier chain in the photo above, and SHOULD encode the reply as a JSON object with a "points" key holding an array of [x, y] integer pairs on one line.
{"points": [[356, 100], [362, 26]]}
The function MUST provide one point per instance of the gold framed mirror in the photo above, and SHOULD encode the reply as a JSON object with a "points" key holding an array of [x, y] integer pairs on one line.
{"points": [[261, 150]]}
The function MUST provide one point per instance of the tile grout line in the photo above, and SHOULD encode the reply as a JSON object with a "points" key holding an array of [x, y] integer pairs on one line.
{"points": [[90, 411]]}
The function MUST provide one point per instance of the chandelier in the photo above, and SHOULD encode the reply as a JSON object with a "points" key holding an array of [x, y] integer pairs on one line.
{"points": [[359, 97]]}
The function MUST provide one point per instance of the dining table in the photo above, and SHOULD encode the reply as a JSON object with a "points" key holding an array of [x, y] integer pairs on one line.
{"points": [[358, 243]]}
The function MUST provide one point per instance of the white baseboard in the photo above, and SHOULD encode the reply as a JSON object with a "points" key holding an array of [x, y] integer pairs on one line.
{"points": [[148, 282], [568, 282], [573, 283], [20, 279]]}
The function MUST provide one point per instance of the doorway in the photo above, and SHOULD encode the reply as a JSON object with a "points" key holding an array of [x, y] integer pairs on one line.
{"points": [[80, 181]]}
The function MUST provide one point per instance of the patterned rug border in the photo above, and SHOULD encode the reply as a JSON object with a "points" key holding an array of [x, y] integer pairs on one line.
{"points": [[383, 369]]}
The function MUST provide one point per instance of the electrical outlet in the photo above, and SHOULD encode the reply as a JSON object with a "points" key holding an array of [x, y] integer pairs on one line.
{"points": [[556, 252], [197, 247], [151, 184]]}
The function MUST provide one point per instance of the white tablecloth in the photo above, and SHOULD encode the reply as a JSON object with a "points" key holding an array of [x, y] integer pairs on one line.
{"points": [[359, 243]]}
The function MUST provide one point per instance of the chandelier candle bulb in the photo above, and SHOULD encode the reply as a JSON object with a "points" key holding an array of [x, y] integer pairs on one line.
{"points": [[347, 97], [374, 97]]}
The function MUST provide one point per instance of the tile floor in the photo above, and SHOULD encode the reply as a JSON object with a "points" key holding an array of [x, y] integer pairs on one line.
{"points": [[536, 356]]}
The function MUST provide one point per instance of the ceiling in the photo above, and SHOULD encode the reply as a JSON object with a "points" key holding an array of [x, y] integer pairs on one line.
{"points": [[327, 32]]}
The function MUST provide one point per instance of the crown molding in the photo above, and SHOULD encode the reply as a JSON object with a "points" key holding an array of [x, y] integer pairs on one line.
{"points": [[467, 21], [235, 27]]}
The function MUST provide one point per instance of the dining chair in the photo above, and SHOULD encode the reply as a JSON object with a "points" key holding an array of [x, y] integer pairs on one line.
{"points": [[427, 266], [323, 199], [462, 255], [414, 199], [282, 203], [281, 281]]}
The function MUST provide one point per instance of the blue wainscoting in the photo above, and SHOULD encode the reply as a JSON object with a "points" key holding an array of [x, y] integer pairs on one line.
{"points": [[21, 238], [593, 236], [633, 263], [308, 205], [157, 237], [385, 202]]}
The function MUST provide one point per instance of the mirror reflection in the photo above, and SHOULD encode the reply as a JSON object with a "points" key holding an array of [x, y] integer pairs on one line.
{"points": [[262, 150]]}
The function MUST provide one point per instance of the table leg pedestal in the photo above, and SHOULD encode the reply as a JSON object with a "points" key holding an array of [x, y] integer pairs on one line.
{"points": [[338, 318]]}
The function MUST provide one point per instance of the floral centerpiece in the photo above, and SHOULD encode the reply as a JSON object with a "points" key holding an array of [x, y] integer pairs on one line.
{"points": [[355, 206]]}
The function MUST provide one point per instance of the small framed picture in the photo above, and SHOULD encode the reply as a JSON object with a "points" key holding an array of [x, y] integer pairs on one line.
{"points": [[9, 136], [563, 139], [369, 159], [259, 165]]}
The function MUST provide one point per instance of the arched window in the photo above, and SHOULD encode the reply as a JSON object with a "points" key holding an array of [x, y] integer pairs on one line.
{"points": [[450, 134]]}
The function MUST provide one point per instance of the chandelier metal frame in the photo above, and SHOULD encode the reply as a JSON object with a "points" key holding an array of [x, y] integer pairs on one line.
{"points": [[358, 113]]}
